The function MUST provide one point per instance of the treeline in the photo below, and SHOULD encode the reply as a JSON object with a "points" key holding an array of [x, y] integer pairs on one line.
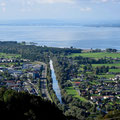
{"points": [[102, 69], [111, 50], [107, 50], [96, 70], [86, 60], [33, 52]]}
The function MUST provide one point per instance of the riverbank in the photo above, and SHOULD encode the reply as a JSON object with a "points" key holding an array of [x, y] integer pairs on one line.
{"points": [[56, 87]]}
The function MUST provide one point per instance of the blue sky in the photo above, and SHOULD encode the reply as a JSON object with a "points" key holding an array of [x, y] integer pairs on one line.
{"points": [[60, 9]]}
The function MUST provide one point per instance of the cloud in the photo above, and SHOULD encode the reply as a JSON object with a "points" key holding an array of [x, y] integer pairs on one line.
{"points": [[32, 2], [55, 1], [86, 9], [105, 1], [3, 6], [27, 5], [4, 9]]}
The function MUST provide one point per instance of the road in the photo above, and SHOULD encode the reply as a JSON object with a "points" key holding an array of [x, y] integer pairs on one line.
{"points": [[44, 91], [43, 83]]}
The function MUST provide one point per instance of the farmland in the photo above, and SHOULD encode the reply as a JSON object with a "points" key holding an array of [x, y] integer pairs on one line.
{"points": [[110, 65], [71, 91], [4, 55], [96, 55], [112, 61]]}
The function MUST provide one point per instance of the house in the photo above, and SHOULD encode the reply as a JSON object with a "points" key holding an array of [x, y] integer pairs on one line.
{"points": [[27, 66], [37, 67], [30, 74], [96, 98], [19, 83], [10, 83], [106, 97], [77, 83], [34, 75], [16, 73]]}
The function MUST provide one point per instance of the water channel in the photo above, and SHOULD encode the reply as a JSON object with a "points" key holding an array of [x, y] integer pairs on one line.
{"points": [[56, 87]]}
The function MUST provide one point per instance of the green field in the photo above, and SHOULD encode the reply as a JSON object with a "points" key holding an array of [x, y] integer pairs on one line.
{"points": [[96, 55], [71, 91], [107, 76], [115, 70], [110, 65], [4, 55]]}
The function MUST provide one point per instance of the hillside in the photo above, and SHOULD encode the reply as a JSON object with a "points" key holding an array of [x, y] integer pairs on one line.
{"points": [[23, 106]]}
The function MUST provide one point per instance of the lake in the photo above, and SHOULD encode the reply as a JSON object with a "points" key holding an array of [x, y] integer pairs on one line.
{"points": [[64, 36]]}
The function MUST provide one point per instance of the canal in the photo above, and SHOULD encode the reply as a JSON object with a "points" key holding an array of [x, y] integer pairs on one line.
{"points": [[56, 87]]}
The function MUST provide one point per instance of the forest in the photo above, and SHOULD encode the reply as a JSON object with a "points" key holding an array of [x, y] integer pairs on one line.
{"points": [[23, 106]]}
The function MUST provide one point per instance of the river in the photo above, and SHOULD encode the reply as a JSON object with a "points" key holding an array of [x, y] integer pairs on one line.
{"points": [[56, 87]]}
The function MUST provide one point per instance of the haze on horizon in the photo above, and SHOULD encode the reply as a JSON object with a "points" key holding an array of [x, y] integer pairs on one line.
{"points": [[84, 10]]}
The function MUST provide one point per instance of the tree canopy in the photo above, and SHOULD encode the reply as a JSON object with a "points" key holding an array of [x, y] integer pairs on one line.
{"points": [[23, 106]]}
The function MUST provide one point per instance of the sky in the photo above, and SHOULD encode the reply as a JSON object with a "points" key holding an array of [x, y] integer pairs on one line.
{"points": [[60, 9]]}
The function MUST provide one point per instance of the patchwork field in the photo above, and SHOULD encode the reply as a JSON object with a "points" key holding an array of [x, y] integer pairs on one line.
{"points": [[71, 91]]}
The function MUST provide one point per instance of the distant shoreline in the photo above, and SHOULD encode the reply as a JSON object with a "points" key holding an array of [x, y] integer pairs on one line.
{"points": [[62, 25]]}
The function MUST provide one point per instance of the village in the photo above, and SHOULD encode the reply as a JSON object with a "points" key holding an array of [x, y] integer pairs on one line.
{"points": [[96, 79], [101, 92], [23, 75]]}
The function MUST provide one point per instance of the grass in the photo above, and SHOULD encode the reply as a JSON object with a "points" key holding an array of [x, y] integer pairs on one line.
{"points": [[94, 82], [71, 91], [107, 76], [115, 70], [96, 55], [8, 64], [4, 55], [110, 65]]}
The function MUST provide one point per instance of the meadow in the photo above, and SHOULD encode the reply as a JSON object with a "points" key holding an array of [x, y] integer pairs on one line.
{"points": [[110, 65], [112, 72], [71, 91], [4, 55], [96, 55]]}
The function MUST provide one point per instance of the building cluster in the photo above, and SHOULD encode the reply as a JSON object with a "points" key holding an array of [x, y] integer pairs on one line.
{"points": [[21, 78], [100, 91]]}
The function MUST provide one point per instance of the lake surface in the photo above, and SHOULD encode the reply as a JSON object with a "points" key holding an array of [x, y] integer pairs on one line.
{"points": [[55, 82], [64, 36]]}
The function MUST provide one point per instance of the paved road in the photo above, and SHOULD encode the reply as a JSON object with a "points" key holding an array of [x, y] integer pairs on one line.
{"points": [[43, 83], [44, 91]]}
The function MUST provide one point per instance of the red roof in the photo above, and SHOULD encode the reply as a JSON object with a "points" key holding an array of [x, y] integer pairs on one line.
{"points": [[77, 82]]}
